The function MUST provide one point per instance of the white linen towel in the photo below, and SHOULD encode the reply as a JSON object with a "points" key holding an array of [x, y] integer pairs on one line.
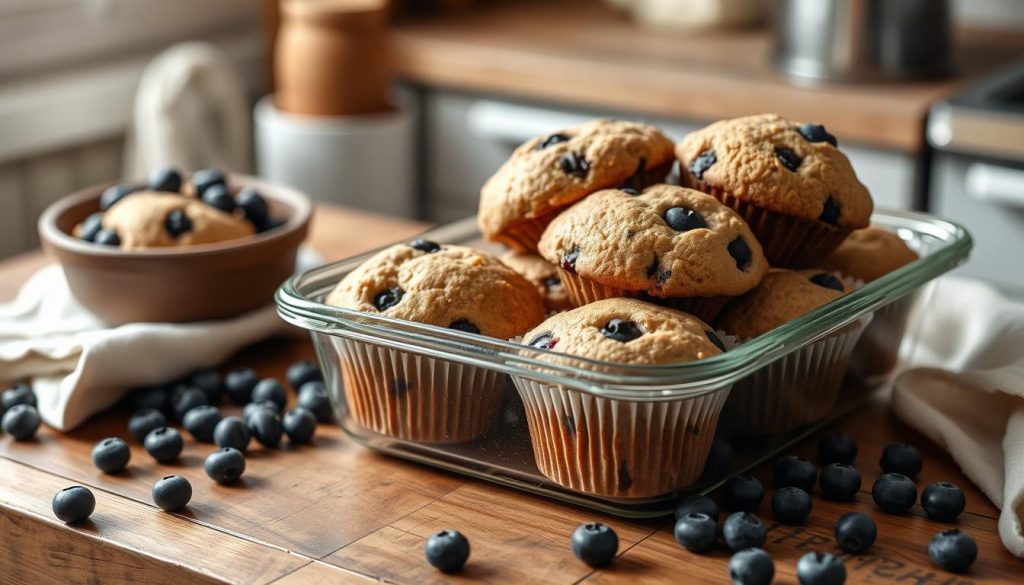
{"points": [[966, 392]]}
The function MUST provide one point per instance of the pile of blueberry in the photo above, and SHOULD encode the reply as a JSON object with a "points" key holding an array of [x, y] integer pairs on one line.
{"points": [[193, 402], [209, 185]]}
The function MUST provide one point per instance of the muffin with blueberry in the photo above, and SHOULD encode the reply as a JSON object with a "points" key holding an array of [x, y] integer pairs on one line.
{"points": [[549, 173], [609, 446], [789, 181], [869, 254], [411, 397], [667, 244], [544, 275]]}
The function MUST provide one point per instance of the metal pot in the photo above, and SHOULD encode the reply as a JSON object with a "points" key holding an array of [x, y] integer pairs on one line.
{"points": [[863, 40]]}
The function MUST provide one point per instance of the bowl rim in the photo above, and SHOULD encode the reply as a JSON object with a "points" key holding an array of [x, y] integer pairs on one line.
{"points": [[53, 235]]}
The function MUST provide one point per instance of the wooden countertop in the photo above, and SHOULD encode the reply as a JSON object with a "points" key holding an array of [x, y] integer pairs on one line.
{"points": [[335, 512], [581, 53]]}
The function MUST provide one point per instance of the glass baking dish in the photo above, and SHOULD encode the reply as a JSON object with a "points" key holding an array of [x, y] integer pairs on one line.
{"points": [[531, 419]]}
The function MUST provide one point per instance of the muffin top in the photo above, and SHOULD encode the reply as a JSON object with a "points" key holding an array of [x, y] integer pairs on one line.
{"points": [[550, 172], [543, 275], [782, 166], [869, 254], [627, 331], [668, 241], [449, 286], [154, 220], [782, 296]]}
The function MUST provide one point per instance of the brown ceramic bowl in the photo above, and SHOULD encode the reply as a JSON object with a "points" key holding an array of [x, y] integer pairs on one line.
{"points": [[190, 283]]}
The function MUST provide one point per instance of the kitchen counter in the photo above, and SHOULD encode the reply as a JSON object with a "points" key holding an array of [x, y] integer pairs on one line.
{"points": [[335, 512], [583, 54]]}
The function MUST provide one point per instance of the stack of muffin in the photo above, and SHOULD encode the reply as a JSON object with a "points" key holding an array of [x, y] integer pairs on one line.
{"points": [[643, 272]]}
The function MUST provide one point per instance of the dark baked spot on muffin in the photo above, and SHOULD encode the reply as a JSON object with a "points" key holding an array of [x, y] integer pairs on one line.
{"points": [[570, 424], [464, 325], [702, 163], [816, 133], [663, 277], [630, 191], [553, 140], [388, 298], [574, 165], [682, 219], [399, 387], [544, 341], [620, 330], [569, 260], [551, 282], [425, 246], [625, 481], [828, 281], [177, 223], [830, 211], [715, 339], [653, 268], [740, 252], [788, 158]]}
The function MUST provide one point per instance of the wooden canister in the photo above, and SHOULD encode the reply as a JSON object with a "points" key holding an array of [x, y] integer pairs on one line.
{"points": [[333, 57]]}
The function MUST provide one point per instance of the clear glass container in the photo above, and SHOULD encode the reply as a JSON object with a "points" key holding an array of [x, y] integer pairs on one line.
{"points": [[628, 440]]}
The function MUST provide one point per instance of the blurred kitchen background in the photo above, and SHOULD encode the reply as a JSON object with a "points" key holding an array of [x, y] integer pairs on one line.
{"points": [[407, 107]]}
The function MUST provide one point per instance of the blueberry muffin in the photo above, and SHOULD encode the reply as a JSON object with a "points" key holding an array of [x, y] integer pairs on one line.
{"points": [[543, 275], [410, 396], [549, 173], [611, 447], [668, 244], [789, 181], [870, 254], [781, 297]]}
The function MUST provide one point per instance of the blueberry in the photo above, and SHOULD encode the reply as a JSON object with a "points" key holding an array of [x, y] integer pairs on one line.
{"points": [[17, 394], [543, 341], [740, 252], [203, 179], [388, 298], [145, 421], [164, 444], [837, 447], [111, 455], [301, 372], [165, 179], [447, 551], [91, 226], [894, 493], [620, 330], [743, 530], [595, 544], [701, 504], [682, 219], [827, 280], [218, 197], [569, 259], [816, 133], [830, 211], [185, 398], [232, 432], [742, 493], [788, 158], [209, 381], [901, 458], [172, 493], [239, 384], [154, 397], [114, 194], [791, 505], [794, 471], [702, 163], [953, 550], [943, 501], [551, 282], [200, 422], [177, 223], [107, 238], [464, 325], [630, 191], [425, 246], [752, 566], [697, 532], [855, 532], [552, 140], [818, 568], [74, 504], [313, 397], [574, 165], [299, 424], [839, 482], [272, 390], [21, 421], [252, 407], [265, 426], [715, 339], [253, 205], [225, 465]]}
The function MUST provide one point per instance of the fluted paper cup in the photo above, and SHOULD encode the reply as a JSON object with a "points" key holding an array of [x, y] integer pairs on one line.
{"points": [[583, 291]]}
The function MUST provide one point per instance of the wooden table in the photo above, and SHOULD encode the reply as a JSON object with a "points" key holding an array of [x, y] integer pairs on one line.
{"points": [[335, 512]]}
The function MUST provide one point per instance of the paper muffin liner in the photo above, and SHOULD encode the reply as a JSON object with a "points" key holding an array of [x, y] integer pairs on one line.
{"points": [[417, 398], [798, 389], [583, 291], [618, 448], [877, 352]]}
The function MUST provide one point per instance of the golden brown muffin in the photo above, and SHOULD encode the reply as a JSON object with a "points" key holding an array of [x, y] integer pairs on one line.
{"points": [[782, 296], [869, 254], [154, 220], [544, 275]]}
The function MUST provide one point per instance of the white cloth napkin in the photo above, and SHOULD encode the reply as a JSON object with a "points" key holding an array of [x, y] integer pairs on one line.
{"points": [[966, 391], [79, 365]]}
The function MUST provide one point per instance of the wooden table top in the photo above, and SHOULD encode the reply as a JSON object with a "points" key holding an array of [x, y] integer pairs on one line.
{"points": [[584, 54], [335, 512]]}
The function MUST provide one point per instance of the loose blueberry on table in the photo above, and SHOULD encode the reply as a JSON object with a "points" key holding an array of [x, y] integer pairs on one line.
{"points": [[239, 384], [943, 501], [818, 568], [791, 505], [164, 444], [172, 493], [21, 421], [209, 381], [252, 407], [953, 550], [155, 397], [837, 447], [73, 504], [701, 504], [265, 426], [185, 398], [743, 530], [839, 482], [742, 493], [595, 544], [232, 432], [313, 397], [696, 532], [270, 389], [225, 465], [300, 425], [752, 566], [894, 493], [111, 455], [144, 422], [201, 421], [855, 532], [793, 471], [447, 550], [901, 458], [303, 372], [17, 394]]}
